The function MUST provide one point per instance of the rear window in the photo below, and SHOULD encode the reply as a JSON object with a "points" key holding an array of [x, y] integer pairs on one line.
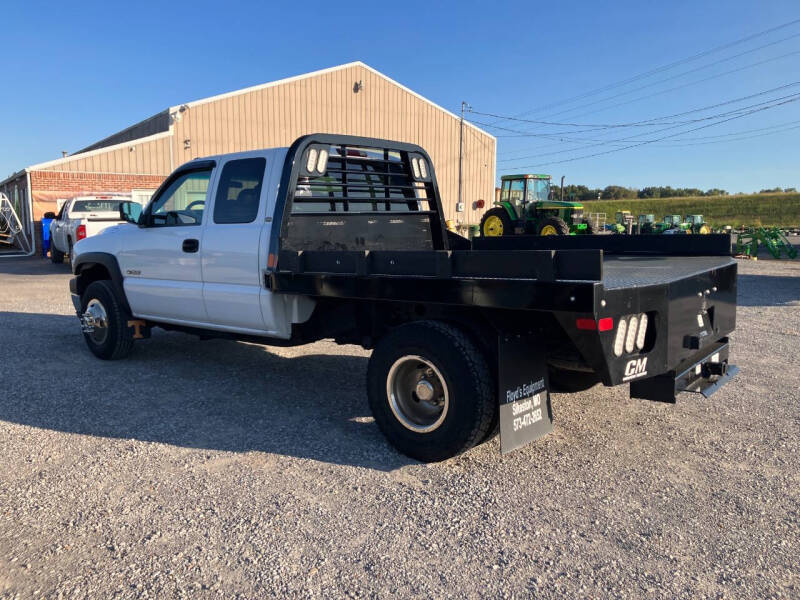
{"points": [[239, 191], [96, 206], [362, 180]]}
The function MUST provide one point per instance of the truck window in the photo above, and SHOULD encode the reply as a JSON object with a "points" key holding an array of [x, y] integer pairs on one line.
{"points": [[183, 202], [239, 191], [95, 206]]}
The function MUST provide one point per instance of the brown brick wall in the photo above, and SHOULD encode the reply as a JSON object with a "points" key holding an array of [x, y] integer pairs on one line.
{"points": [[48, 186]]}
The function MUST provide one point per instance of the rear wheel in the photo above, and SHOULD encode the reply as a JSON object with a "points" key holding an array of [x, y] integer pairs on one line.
{"points": [[553, 226], [431, 391], [105, 322], [56, 255], [496, 223]]}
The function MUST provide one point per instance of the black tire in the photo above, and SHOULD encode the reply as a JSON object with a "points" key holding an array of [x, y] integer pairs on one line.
{"points": [[56, 255], [118, 339], [558, 224], [589, 228], [502, 214], [470, 407], [569, 382]]}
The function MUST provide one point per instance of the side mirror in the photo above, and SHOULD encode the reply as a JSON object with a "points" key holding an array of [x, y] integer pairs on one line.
{"points": [[49, 215], [130, 212]]}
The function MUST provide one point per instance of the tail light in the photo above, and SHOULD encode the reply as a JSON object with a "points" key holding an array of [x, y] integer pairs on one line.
{"points": [[80, 232], [631, 334]]}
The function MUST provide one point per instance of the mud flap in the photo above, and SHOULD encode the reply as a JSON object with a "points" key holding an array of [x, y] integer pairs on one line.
{"points": [[523, 392], [141, 331]]}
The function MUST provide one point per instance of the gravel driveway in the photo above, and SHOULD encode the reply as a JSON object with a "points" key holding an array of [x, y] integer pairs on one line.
{"points": [[221, 469]]}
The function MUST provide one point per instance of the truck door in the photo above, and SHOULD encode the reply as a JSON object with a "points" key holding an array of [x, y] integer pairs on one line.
{"points": [[60, 226], [232, 246], [160, 262]]}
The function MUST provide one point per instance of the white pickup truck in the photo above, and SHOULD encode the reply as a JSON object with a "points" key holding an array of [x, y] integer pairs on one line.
{"points": [[80, 218], [343, 238]]}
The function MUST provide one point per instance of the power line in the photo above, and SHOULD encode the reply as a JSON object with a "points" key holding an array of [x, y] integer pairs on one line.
{"points": [[654, 122], [694, 141], [660, 69], [678, 87], [601, 100], [642, 143]]}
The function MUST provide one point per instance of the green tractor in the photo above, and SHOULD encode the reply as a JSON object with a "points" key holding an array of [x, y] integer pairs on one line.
{"points": [[527, 206], [674, 224], [647, 224], [696, 224]]}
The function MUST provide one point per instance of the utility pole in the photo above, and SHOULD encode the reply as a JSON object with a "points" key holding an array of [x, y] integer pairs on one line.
{"points": [[464, 106]]}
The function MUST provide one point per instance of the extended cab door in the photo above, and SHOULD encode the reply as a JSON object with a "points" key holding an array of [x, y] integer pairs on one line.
{"points": [[233, 239], [160, 262], [60, 225]]}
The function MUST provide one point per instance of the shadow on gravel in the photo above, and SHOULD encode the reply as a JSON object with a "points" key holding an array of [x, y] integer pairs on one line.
{"points": [[174, 389], [768, 290], [32, 265]]}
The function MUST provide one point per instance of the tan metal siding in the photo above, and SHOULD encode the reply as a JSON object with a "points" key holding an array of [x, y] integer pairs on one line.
{"points": [[146, 158], [277, 115]]}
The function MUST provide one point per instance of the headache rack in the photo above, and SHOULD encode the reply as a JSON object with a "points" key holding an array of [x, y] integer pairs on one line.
{"points": [[348, 193]]}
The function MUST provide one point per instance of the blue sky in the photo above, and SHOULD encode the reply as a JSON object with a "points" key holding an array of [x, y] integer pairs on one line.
{"points": [[75, 72]]}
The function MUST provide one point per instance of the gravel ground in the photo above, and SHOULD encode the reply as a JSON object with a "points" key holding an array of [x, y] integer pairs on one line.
{"points": [[218, 469]]}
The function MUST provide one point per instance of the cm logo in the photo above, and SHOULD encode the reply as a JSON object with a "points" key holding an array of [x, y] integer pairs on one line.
{"points": [[635, 368]]}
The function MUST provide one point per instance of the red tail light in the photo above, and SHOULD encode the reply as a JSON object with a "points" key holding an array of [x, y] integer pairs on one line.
{"points": [[80, 232], [605, 324]]}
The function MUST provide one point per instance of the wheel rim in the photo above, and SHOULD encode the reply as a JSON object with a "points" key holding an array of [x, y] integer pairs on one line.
{"points": [[417, 394], [96, 317], [705, 230], [548, 230], [493, 226]]}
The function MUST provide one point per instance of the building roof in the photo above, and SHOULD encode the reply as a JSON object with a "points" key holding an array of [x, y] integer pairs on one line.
{"points": [[160, 122]]}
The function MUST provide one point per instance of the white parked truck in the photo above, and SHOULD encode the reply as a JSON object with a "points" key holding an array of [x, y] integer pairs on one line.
{"points": [[343, 238], [82, 217]]}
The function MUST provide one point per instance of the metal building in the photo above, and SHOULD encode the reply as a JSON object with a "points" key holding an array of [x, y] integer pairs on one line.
{"points": [[352, 99]]}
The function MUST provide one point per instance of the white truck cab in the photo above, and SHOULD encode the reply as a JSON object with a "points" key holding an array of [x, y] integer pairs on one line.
{"points": [[198, 255]]}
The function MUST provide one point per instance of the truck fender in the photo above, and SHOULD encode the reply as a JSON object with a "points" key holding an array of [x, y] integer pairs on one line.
{"points": [[93, 266]]}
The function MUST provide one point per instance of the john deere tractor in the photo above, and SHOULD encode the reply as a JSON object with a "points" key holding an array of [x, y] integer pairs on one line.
{"points": [[527, 206], [696, 224]]}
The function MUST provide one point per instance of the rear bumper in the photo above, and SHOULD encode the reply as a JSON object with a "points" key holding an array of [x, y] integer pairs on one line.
{"points": [[704, 373]]}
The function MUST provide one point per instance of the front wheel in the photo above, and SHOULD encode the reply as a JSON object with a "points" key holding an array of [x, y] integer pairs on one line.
{"points": [[105, 322], [496, 223], [431, 391], [553, 226]]}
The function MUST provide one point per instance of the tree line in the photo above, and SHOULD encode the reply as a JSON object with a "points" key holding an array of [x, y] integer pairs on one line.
{"points": [[619, 192]]}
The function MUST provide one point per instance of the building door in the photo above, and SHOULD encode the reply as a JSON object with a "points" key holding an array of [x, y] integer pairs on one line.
{"points": [[160, 262]]}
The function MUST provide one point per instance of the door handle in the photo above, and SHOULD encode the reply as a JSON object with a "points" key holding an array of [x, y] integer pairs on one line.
{"points": [[191, 245]]}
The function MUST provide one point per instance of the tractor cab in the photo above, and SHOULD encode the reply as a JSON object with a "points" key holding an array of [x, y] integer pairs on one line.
{"points": [[646, 224], [526, 205], [696, 224]]}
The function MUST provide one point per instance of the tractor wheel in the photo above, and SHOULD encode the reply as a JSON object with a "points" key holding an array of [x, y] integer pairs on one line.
{"points": [[553, 226], [496, 223]]}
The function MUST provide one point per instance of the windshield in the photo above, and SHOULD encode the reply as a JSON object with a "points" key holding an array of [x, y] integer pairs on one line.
{"points": [[538, 190], [95, 206]]}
